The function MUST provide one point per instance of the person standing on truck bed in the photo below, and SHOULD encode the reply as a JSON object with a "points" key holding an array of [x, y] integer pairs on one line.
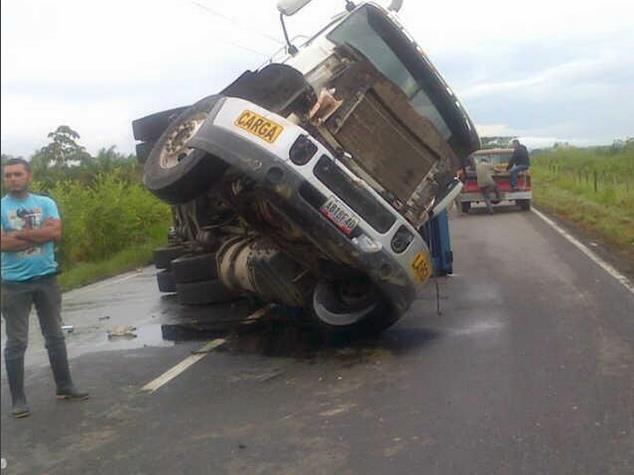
{"points": [[484, 171], [519, 162], [30, 227]]}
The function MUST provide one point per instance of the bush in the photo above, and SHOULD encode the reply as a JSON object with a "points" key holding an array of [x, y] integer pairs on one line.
{"points": [[105, 217]]}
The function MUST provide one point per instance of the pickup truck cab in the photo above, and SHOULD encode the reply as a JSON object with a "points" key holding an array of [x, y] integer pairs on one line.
{"points": [[499, 158]]}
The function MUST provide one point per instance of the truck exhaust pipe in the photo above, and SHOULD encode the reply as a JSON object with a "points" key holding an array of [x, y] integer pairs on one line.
{"points": [[257, 266]]}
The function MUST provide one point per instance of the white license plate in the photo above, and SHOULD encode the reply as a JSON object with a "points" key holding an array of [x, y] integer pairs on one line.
{"points": [[336, 212]]}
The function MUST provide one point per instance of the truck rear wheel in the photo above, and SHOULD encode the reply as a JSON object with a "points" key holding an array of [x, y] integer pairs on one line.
{"points": [[163, 256], [150, 128], [204, 292], [195, 268], [525, 205], [165, 281], [176, 173]]}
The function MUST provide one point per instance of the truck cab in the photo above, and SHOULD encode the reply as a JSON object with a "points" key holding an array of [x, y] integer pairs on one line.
{"points": [[318, 170]]}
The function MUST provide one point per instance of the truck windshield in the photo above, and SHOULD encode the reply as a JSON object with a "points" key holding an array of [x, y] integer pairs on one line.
{"points": [[366, 30]]}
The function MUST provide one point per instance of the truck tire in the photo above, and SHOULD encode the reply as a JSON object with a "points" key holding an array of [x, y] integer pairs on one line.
{"points": [[165, 281], [204, 292], [150, 128], [465, 206], [369, 317], [163, 256], [195, 268], [525, 205], [176, 173]]}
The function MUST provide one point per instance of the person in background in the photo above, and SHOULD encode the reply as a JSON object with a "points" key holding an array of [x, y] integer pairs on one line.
{"points": [[484, 172], [519, 162], [30, 227]]}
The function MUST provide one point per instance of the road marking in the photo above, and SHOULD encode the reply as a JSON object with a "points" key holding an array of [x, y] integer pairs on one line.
{"points": [[575, 242], [199, 354], [182, 366], [107, 283]]}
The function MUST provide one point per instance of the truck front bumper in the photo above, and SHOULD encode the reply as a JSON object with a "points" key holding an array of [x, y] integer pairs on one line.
{"points": [[297, 191]]}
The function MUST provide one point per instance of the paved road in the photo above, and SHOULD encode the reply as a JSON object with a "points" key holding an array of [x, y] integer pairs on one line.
{"points": [[529, 369]]}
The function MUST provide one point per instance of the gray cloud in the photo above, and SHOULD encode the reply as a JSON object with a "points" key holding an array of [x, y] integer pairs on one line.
{"points": [[565, 71]]}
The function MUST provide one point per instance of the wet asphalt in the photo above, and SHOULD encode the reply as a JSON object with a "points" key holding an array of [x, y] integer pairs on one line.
{"points": [[529, 368]]}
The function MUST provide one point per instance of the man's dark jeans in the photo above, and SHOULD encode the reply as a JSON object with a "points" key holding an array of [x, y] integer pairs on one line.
{"points": [[485, 190], [515, 171], [17, 301]]}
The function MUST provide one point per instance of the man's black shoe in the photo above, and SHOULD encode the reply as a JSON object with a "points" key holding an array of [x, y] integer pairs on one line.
{"points": [[20, 409], [72, 394]]}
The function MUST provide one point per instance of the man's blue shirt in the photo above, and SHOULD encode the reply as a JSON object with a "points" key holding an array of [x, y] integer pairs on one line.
{"points": [[28, 213]]}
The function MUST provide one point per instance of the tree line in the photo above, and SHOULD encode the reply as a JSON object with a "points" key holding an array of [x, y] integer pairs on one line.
{"points": [[104, 207], [64, 158]]}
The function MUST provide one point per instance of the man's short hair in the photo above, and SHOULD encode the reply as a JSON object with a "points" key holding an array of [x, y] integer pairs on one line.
{"points": [[18, 161], [515, 141]]}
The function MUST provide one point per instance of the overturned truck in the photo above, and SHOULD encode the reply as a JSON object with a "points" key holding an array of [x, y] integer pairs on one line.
{"points": [[306, 182]]}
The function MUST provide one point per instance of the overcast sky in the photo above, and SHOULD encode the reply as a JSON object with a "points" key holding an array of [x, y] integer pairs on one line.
{"points": [[550, 70]]}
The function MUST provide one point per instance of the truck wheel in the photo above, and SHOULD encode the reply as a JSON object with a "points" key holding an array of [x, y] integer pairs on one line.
{"points": [[465, 206], [362, 314], [176, 173], [150, 128], [204, 292], [195, 268], [525, 205], [165, 281], [163, 256]]}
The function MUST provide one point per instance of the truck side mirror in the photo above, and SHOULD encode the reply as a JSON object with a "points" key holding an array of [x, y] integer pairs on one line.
{"points": [[395, 5], [290, 7], [449, 194]]}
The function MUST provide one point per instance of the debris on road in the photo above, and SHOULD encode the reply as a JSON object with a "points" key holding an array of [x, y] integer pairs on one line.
{"points": [[122, 331], [68, 328], [107, 317]]}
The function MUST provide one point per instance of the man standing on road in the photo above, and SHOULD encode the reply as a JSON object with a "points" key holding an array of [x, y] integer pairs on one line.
{"points": [[484, 170], [30, 227], [519, 162]]}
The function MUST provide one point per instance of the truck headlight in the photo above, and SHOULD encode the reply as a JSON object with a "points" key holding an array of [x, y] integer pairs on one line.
{"points": [[302, 150], [402, 239]]}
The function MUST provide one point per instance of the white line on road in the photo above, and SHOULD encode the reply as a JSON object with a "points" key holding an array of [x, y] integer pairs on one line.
{"points": [[575, 242], [182, 366], [107, 282]]}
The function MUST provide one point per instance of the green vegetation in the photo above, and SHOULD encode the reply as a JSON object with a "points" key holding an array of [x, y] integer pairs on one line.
{"points": [[111, 222], [592, 187]]}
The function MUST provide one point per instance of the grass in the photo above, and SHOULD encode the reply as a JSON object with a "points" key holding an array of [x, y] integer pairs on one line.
{"points": [[85, 273], [592, 188], [111, 224]]}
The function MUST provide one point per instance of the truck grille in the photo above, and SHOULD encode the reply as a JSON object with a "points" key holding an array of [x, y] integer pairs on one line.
{"points": [[359, 199], [384, 146]]}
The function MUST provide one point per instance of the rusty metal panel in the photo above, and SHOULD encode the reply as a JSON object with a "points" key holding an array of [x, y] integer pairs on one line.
{"points": [[387, 138], [383, 148]]}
